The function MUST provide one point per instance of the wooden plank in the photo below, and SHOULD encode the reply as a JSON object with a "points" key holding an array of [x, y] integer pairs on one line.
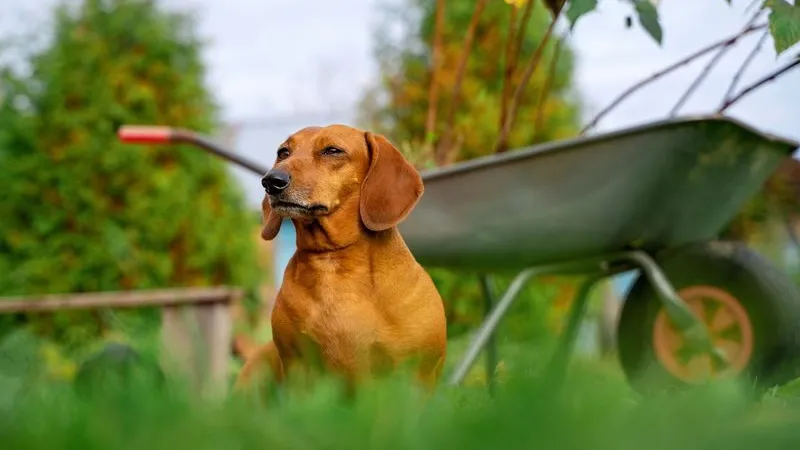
{"points": [[216, 328], [179, 341], [119, 299], [196, 345]]}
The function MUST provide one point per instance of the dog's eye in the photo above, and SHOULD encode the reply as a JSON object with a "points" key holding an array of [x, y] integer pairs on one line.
{"points": [[283, 153], [331, 151]]}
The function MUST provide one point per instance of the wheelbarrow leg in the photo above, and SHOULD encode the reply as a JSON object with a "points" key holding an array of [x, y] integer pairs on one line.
{"points": [[557, 368], [489, 325], [677, 310], [491, 344]]}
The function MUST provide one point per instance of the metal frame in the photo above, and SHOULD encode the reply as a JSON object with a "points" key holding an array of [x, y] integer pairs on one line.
{"points": [[597, 268]]}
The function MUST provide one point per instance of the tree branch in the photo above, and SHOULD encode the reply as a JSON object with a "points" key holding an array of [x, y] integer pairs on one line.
{"points": [[502, 140], [508, 64], [745, 64], [707, 69], [436, 57], [442, 154], [752, 4], [672, 67], [548, 85], [766, 79], [523, 24], [514, 58]]}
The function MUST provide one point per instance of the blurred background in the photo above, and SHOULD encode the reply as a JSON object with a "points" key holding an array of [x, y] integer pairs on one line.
{"points": [[81, 212]]}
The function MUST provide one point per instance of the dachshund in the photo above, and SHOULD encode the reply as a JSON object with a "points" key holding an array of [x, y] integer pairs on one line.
{"points": [[354, 301]]}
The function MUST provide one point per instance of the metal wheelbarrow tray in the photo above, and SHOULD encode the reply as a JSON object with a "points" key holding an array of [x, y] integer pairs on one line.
{"points": [[652, 197], [654, 186]]}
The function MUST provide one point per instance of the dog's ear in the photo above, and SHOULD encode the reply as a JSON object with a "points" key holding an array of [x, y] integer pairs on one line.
{"points": [[272, 221], [391, 188]]}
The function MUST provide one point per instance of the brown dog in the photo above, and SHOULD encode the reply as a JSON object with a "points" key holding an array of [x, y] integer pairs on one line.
{"points": [[353, 299]]}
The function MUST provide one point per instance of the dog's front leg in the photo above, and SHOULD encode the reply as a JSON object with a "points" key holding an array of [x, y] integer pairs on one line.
{"points": [[262, 370]]}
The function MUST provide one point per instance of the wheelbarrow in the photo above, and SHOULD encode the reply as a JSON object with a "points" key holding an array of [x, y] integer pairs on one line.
{"points": [[653, 198]]}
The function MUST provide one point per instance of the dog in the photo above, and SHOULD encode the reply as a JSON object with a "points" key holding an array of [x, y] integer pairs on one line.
{"points": [[354, 301]]}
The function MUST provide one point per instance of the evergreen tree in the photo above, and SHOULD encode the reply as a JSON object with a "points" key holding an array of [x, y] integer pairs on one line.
{"points": [[82, 212]]}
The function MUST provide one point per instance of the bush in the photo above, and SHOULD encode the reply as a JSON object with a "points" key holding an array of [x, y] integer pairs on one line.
{"points": [[82, 212]]}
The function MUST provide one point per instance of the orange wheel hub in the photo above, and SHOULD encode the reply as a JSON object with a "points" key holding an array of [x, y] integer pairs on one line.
{"points": [[728, 325]]}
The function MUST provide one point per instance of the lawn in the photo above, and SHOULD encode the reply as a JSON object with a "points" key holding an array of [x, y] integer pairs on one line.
{"points": [[594, 409]]}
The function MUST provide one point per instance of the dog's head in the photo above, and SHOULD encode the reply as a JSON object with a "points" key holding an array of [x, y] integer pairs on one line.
{"points": [[339, 171]]}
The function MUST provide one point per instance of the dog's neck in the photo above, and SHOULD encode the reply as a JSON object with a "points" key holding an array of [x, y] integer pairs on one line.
{"points": [[318, 248], [331, 234], [325, 235]]}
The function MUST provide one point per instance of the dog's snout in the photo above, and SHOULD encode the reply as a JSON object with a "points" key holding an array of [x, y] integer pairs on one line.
{"points": [[276, 181]]}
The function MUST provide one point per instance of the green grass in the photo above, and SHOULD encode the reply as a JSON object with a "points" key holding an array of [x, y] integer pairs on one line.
{"points": [[595, 409]]}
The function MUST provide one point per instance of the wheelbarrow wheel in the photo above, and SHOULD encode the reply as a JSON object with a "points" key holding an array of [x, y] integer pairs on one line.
{"points": [[751, 309]]}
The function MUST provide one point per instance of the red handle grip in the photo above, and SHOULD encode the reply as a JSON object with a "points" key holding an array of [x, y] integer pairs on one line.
{"points": [[137, 134]]}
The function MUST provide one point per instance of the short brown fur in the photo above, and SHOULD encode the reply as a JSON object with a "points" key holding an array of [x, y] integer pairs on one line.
{"points": [[353, 298]]}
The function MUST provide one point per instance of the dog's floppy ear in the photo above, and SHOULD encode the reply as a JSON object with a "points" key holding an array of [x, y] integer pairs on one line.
{"points": [[272, 221], [391, 188]]}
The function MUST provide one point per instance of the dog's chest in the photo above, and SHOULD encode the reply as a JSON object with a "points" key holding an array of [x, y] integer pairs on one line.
{"points": [[335, 307], [346, 310]]}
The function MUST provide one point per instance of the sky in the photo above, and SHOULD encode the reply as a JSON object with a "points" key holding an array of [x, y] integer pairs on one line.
{"points": [[278, 65]]}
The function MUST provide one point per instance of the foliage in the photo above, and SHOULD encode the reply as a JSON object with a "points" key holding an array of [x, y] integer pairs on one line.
{"points": [[528, 319], [398, 105], [577, 8], [784, 23], [82, 212], [769, 216], [784, 18], [648, 19], [593, 410]]}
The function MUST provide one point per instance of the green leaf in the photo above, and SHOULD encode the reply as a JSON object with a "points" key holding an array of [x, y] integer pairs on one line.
{"points": [[784, 24], [578, 8], [648, 18]]}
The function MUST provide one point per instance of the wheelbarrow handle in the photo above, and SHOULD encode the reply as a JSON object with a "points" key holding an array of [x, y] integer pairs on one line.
{"points": [[150, 134], [145, 134]]}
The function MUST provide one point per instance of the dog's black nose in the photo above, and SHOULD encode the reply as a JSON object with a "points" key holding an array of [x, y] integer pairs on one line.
{"points": [[275, 181]]}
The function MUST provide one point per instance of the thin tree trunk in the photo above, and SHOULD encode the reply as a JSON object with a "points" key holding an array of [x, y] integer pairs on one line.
{"points": [[548, 86], [444, 151], [509, 66], [513, 46], [436, 63], [533, 63]]}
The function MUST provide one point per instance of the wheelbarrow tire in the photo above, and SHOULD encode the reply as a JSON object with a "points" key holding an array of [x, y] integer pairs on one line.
{"points": [[770, 299]]}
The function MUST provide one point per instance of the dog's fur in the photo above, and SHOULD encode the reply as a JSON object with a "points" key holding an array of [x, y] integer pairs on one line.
{"points": [[353, 300]]}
